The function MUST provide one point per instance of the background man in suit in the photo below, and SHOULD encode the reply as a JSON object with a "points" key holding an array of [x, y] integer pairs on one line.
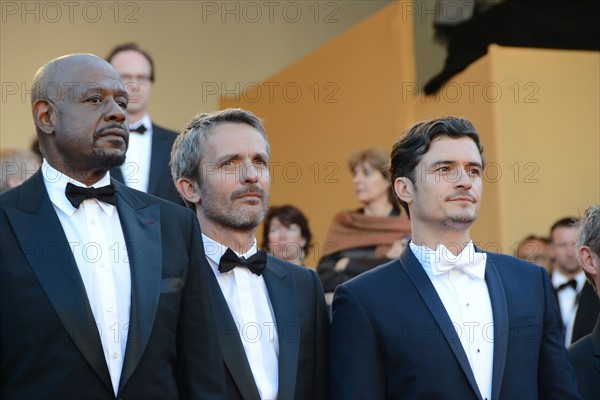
{"points": [[104, 290], [146, 167], [446, 321], [273, 319], [578, 304], [585, 353]]}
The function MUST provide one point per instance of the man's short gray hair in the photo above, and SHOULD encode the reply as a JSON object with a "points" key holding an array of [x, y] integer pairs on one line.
{"points": [[589, 229], [188, 149]]}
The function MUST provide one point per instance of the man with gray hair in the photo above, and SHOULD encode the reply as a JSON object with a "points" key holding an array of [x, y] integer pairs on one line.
{"points": [[271, 315], [585, 353]]}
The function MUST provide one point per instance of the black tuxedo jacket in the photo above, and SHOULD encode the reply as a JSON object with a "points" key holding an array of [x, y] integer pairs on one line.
{"points": [[300, 312], [587, 312], [160, 182], [50, 346], [585, 358], [391, 337]]}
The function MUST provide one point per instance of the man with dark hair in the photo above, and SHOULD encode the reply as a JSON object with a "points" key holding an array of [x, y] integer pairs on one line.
{"points": [[146, 167], [104, 290], [585, 353], [536, 250], [578, 304], [446, 320], [272, 316]]}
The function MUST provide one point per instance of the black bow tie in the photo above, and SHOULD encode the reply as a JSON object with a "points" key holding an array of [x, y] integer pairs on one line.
{"points": [[77, 194], [140, 129], [572, 283], [256, 263]]}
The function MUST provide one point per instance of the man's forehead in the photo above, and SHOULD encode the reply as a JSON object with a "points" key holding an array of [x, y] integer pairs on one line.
{"points": [[445, 148]]}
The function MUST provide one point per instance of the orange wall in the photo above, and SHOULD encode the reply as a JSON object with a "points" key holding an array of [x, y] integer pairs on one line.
{"points": [[345, 96], [536, 111]]}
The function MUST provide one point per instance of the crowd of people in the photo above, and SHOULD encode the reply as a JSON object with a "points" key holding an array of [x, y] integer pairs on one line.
{"points": [[131, 270]]}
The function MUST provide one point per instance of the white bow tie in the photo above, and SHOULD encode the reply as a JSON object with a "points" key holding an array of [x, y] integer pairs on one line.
{"points": [[468, 261]]}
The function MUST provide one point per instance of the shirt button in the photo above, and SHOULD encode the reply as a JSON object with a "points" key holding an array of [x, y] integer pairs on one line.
{"points": [[467, 304], [109, 309], [115, 356], [93, 222], [101, 265]]}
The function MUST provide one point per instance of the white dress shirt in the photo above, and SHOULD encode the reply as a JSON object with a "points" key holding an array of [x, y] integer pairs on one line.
{"points": [[96, 239], [136, 168], [466, 299], [248, 300], [568, 301]]}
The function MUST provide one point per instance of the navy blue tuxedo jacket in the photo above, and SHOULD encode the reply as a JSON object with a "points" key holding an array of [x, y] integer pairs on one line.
{"points": [[160, 182], [298, 302], [391, 337], [50, 346]]}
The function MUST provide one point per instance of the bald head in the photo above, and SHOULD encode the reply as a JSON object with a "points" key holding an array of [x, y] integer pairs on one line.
{"points": [[79, 109], [55, 80]]}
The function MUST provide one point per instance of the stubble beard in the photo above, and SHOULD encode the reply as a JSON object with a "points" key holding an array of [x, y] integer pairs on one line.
{"points": [[234, 219], [459, 221], [105, 161]]}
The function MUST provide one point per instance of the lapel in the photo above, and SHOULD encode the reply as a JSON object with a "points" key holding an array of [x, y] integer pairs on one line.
{"points": [[284, 300], [142, 232], [160, 157], [500, 313], [39, 230], [428, 294], [234, 355]]}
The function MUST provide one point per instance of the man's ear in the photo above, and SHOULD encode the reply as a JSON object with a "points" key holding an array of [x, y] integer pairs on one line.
{"points": [[404, 189], [588, 261], [188, 189], [44, 116]]}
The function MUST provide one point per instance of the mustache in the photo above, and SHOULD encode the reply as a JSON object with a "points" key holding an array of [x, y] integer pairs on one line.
{"points": [[462, 194], [112, 126], [248, 189]]}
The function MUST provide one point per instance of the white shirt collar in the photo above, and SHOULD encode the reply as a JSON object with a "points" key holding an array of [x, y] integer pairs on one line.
{"points": [[473, 263], [558, 279], [146, 121], [56, 183]]}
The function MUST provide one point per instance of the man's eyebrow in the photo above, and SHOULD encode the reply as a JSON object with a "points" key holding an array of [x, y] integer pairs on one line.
{"points": [[440, 163], [451, 162]]}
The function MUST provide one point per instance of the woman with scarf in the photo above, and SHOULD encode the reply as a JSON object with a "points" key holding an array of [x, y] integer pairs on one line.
{"points": [[360, 240]]}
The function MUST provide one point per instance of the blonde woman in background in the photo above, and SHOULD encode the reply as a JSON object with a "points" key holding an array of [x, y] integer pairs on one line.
{"points": [[359, 240]]}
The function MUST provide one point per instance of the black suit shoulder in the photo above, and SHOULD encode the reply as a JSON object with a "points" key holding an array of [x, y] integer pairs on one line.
{"points": [[584, 356], [164, 131], [580, 352], [147, 198]]}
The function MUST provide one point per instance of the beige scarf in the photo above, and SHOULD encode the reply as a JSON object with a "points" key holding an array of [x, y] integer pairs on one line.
{"points": [[351, 229]]}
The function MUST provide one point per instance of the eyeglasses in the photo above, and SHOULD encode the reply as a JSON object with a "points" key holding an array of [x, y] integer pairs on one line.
{"points": [[141, 79]]}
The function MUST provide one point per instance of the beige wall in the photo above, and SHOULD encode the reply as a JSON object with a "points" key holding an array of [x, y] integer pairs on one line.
{"points": [[537, 112], [351, 99], [362, 96], [197, 46], [538, 121]]}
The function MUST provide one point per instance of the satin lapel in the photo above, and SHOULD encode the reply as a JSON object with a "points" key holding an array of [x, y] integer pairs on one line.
{"points": [[159, 158], [428, 294], [284, 299], [500, 312], [142, 232], [234, 355], [45, 246]]}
